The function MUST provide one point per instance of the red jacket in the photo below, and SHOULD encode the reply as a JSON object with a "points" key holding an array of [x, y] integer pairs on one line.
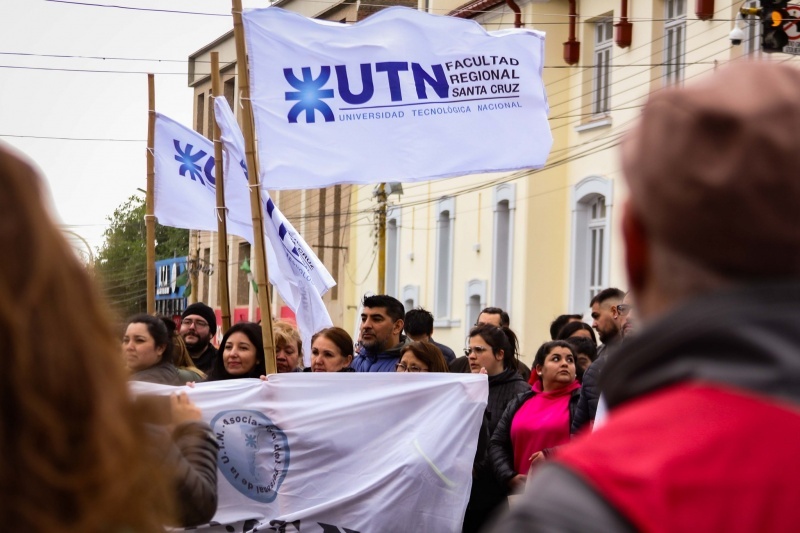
{"points": [[713, 427]]}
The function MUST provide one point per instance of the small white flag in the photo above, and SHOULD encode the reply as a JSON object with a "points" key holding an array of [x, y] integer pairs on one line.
{"points": [[305, 277], [185, 197]]}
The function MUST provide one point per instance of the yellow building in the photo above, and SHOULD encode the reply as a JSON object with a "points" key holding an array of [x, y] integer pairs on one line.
{"points": [[536, 243]]}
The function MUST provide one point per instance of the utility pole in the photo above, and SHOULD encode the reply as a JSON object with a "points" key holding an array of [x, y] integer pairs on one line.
{"points": [[380, 194], [149, 217]]}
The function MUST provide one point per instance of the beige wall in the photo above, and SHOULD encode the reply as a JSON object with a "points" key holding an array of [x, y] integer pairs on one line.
{"points": [[544, 258]]}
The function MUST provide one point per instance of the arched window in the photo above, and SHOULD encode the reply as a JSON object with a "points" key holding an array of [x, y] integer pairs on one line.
{"points": [[476, 300], [410, 297], [503, 253], [393, 251], [445, 232], [591, 230]]}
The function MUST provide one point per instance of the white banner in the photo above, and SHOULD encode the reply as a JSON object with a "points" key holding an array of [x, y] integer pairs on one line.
{"points": [[342, 452], [400, 96], [306, 277], [185, 197]]}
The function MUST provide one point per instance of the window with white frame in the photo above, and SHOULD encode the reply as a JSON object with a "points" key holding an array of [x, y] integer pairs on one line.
{"points": [[392, 251], [674, 41], [476, 301], [445, 222], [591, 229], [503, 253], [603, 46], [410, 297], [752, 42], [597, 240]]}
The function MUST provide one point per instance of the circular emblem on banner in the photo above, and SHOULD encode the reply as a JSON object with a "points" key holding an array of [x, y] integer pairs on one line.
{"points": [[253, 453]]}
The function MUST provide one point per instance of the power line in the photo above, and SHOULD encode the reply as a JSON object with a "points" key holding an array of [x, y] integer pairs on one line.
{"points": [[443, 11], [103, 58], [93, 139], [172, 11], [91, 71]]}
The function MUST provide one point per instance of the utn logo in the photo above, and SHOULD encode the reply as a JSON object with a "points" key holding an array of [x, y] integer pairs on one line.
{"points": [[310, 91]]}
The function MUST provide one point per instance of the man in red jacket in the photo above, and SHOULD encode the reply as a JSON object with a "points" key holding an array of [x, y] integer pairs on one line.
{"points": [[704, 402]]}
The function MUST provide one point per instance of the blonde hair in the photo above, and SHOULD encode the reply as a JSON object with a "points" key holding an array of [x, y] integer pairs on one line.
{"points": [[285, 333], [76, 453]]}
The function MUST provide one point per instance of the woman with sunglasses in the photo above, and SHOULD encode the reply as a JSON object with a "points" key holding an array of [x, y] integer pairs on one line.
{"points": [[491, 350]]}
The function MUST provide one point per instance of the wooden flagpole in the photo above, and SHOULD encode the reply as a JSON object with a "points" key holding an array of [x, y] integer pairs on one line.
{"points": [[149, 217], [260, 257], [222, 230]]}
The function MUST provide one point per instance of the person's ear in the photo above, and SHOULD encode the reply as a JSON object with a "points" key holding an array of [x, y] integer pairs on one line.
{"points": [[398, 326], [499, 355], [637, 252]]}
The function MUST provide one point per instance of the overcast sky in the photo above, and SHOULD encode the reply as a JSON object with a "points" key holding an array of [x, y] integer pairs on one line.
{"points": [[47, 101]]}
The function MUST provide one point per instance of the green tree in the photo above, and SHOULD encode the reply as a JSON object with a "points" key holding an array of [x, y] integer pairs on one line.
{"points": [[121, 264]]}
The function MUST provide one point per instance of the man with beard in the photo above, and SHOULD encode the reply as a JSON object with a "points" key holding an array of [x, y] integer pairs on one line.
{"points": [[628, 328], [198, 327], [626, 310], [606, 321], [704, 401], [381, 334], [605, 317]]}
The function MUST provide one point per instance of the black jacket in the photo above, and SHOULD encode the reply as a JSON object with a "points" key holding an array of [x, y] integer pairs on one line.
{"points": [[503, 388], [501, 452], [590, 394], [205, 361], [487, 494]]}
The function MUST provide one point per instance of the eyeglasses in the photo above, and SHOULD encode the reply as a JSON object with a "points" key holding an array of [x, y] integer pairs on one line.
{"points": [[197, 323], [402, 367], [624, 309], [476, 349]]}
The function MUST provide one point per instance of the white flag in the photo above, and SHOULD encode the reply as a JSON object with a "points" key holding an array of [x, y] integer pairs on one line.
{"points": [[400, 96], [306, 278], [325, 452], [185, 197]]}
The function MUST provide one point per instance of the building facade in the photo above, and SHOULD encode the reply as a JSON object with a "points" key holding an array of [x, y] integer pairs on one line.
{"points": [[536, 243]]}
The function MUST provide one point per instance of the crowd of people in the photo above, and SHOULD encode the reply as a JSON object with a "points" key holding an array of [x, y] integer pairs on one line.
{"points": [[687, 423], [529, 413]]}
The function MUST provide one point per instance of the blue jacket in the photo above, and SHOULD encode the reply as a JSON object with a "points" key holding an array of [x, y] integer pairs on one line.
{"points": [[382, 362]]}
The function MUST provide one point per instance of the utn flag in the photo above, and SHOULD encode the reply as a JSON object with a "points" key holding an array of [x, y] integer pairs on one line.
{"points": [[185, 197], [305, 278], [400, 96]]}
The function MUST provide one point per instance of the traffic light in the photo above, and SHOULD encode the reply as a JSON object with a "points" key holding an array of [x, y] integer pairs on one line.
{"points": [[773, 18]]}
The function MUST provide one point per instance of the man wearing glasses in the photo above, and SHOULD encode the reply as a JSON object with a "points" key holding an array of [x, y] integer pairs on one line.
{"points": [[198, 327]]}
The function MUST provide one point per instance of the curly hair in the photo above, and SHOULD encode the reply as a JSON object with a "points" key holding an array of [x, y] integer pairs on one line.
{"points": [[76, 451]]}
